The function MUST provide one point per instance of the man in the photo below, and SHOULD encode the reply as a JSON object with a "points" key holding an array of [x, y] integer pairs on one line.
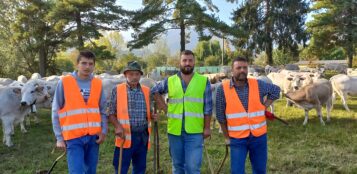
{"points": [[78, 116], [129, 112], [189, 112], [240, 108]]}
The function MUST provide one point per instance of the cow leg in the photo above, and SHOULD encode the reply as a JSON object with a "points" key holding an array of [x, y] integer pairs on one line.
{"points": [[22, 125], [36, 118], [306, 117], [344, 98], [13, 129], [8, 123], [319, 114], [329, 106], [28, 120]]}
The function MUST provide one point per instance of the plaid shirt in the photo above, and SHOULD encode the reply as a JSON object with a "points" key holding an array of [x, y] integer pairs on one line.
{"points": [[136, 108], [265, 89]]}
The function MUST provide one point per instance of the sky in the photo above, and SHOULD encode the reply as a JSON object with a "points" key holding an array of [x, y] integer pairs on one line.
{"points": [[225, 10]]}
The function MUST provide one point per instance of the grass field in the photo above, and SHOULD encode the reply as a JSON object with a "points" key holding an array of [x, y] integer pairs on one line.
{"points": [[294, 149]]}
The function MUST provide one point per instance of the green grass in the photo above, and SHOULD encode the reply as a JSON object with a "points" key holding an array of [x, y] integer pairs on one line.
{"points": [[295, 149]]}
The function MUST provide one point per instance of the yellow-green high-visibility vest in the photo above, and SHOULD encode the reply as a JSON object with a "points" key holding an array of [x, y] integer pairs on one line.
{"points": [[190, 102]]}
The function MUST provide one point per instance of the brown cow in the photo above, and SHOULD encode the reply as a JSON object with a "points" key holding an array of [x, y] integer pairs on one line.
{"points": [[313, 96]]}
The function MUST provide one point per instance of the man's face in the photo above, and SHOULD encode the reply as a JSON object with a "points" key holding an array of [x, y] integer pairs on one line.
{"points": [[240, 70], [133, 77], [85, 66], [187, 64]]}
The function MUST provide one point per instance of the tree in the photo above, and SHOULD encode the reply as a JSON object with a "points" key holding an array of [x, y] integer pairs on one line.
{"points": [[159, 16], [85, 18], [155, 60], [265, 23], [206, 49], [334, 26], [33, 35]]}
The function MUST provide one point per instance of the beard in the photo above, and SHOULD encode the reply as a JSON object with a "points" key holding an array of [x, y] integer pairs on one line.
{"points": [[134, 81], [186, 70], [241, 77]]}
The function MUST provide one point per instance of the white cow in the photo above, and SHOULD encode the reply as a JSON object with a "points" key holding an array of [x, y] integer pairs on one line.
{"points": [[352, 72], [344, 85], [15, 104], [313, 96], [22, 79], [5, 81], [35, 76]]}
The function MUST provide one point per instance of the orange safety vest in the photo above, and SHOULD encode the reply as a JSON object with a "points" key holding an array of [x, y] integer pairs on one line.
{"points": [[78, 118], [123, 115], [239, 121]]}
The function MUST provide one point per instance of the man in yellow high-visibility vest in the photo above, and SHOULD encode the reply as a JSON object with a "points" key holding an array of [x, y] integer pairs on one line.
{"points": [[189, 110]]}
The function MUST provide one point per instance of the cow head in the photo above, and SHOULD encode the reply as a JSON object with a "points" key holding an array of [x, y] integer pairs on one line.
{"points": [[34, 91]]}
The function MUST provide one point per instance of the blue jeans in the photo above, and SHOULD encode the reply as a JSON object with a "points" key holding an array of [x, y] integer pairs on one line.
{"points": [[186, 153], [258, 154], [137, 152], [82, 155]]}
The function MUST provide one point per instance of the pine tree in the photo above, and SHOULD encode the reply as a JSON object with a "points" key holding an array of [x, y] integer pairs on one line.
{"points": [[334, 26], [159, 16], [268, 23]]}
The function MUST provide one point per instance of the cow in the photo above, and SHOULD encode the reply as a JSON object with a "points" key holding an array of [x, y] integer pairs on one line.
{"points": [[344, 85], [313, 96], [35, 76], [5, 81], [15, 104], [269, 69], [22, 79], [352, 72], [292, 67], [340, 68]]}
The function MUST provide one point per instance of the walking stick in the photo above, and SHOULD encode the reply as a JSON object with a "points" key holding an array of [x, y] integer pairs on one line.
{"points": [[156, 145], [121, 155], [53, 164], [224, 160]]}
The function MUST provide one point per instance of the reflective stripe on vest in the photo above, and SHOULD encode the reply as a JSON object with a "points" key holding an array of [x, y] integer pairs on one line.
{"points": [[78, 118], [79, 111], [189, 104], [123, 115], [241, 123]]}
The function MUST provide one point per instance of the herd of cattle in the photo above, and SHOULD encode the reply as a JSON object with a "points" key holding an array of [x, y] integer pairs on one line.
{"points": [[306, 89]]}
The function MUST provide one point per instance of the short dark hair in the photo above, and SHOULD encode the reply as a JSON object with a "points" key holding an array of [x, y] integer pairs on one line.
{"points": [[87, 54], [239, 59], [187, 52]]}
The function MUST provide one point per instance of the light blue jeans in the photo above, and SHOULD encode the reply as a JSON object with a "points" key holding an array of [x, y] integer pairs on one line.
{"points": [[186, 153], [82, 155], [258, 154]]}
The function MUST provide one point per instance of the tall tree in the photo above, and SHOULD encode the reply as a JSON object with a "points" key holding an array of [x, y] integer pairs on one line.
{"points": [[268, 23], [159, 16], [85, 18], [334, 26], [34, 35]]}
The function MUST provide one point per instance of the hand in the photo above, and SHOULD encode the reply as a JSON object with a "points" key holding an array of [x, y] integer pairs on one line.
{"points": [[206, 133], [101, 138], [61, 145], [119, 131], [155, 117]]}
